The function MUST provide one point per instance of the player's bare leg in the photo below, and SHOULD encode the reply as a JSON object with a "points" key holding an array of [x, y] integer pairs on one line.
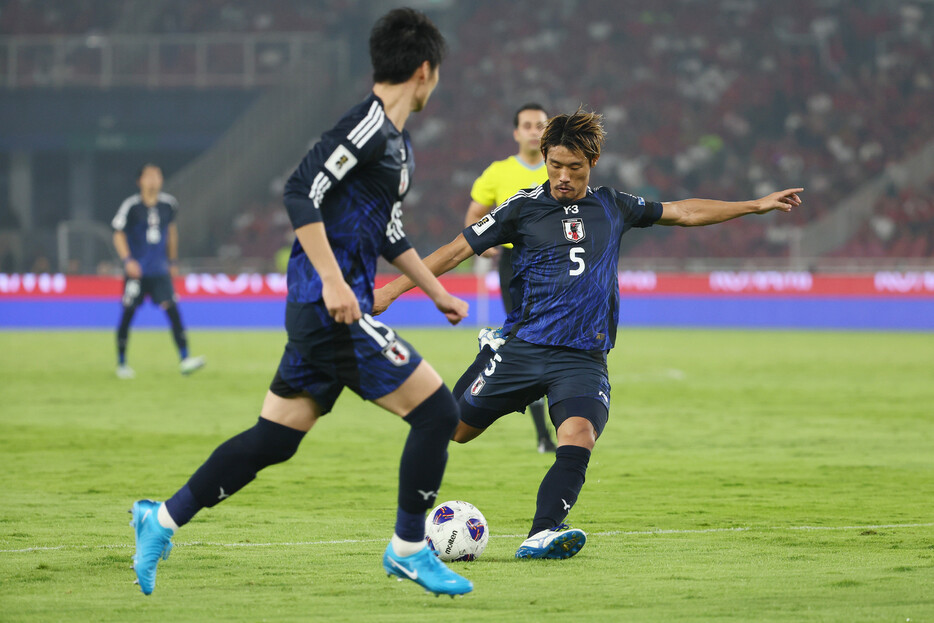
{"points": [[299, 412], [465, 432], [577, 431]]}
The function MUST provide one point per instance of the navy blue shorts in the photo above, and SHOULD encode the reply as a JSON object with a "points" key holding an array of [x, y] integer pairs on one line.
{"points": [[158, 288], [521, 372], [322, 357]]}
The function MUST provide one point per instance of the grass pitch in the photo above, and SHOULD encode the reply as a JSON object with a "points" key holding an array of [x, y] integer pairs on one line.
{"points": [[744, 476]]}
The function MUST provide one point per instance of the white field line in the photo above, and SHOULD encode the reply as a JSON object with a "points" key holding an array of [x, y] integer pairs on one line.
{"points": [[500, 536]]}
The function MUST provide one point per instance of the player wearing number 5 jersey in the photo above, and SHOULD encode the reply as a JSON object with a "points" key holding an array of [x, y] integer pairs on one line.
{"points": [[498, 183], [344, 201], [567, 239]]}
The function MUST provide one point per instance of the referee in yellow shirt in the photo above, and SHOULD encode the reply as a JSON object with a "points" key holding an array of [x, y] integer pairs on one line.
{"points": [[500, 181]]}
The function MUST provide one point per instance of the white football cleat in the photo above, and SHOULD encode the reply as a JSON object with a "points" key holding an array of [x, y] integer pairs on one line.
{"points": [[562, 542], [125, 372], [491, 337], [190, 364]]}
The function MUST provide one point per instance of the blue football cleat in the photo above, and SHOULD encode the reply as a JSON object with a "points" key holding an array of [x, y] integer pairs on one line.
{"points": [[562, 542], [425, 569], [152, 543]]}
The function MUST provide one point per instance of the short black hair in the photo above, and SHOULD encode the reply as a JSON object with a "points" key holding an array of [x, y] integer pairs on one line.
{"points": [[580, 132], [139, 172], [525, 107], [400, 42]]}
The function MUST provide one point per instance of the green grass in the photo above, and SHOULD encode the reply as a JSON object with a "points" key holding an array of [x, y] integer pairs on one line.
{"points": [[744, 476]]}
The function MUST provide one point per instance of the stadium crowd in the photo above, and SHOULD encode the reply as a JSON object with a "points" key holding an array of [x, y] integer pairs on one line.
{"points": [[726, 99], [902, 225], [698, 102]]}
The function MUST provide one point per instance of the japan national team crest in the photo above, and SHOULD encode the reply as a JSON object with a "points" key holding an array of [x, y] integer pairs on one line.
{"points": [[573, 229], [396, 353], [477, 385]]}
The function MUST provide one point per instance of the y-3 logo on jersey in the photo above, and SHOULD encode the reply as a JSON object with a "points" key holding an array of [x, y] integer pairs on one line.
{"points": [[573, 229]]}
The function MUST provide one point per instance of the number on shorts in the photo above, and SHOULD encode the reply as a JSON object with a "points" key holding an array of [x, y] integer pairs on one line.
{"points": [[490, 369], [131, 292]]}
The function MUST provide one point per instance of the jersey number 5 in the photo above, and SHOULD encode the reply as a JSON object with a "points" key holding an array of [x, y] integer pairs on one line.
{"points": [[574, 255]]}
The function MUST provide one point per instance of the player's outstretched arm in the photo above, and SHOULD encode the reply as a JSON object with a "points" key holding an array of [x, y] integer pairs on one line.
{"points": [[412, 266], [438, 263], [339, 298], [696, 212]]}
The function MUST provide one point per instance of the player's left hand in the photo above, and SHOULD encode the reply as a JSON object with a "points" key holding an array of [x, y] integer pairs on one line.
{"points": [[783, 200], [173, 271], [453, 308], [381, 301]]}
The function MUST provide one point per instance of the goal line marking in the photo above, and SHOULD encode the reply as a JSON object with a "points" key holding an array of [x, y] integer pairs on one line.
{"points": [[494, 536]]}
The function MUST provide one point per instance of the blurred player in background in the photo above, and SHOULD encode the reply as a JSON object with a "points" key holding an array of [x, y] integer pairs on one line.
{"points": [[345, 204], [496, 184], [146, 239], [567, 238]]}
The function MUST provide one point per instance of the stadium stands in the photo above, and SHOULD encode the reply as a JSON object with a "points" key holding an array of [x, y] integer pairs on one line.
{"points": [[727, 103], [727, 99], [902, 226]]}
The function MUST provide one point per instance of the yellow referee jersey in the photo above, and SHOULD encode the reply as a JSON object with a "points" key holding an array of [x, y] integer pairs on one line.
{"points": [[504, 178]]}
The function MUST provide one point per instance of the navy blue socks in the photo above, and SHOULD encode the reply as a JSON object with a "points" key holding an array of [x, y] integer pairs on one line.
{"points": [[123, 332], [178, 330], [236, 461], [232, 465], [560, 487], [423, 459]]}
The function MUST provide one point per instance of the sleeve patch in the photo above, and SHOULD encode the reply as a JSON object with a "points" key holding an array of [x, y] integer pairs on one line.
{"points": [[483, 224], [340, 162], [639, 200]]}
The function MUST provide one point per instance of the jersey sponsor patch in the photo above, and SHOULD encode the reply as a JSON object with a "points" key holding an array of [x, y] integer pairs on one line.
{"points": [[477, 385], [483, 224], [573, 229], [397, 353], [340, 162]]}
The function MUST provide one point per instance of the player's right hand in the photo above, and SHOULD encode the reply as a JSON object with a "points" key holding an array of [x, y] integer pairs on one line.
{"points": [[133, 269], [783, 200], [453, 308], [341, 301]]}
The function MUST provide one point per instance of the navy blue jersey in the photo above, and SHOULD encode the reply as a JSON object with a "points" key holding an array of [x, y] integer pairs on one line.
{"points": [[564, 262], [354, 180], [146, 229]]}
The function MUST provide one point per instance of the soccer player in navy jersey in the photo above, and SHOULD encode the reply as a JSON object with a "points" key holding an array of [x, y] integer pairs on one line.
{"points": [[499, 182], [345, 203], [146, 239], [566, 239]]}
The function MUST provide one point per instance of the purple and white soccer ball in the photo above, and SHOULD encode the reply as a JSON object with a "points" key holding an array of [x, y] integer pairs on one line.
{"points": [[457, 531]]}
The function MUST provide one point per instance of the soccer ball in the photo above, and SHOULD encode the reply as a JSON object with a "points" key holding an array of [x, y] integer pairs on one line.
{"points": [[457, 531]]}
